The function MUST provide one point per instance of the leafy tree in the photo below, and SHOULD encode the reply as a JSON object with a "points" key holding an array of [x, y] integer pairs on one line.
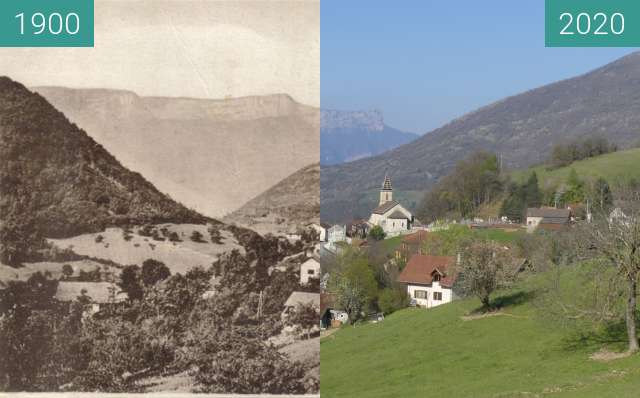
{"points": [[602, 196], [130, 282], [532, 194], [67, 271], [393, 299], [196, 236], [377, 233], [575, 189], [484, 268], [154, 271], [354, 285], [90, 276], [216, 236], [305, 317], [174, 237], [229, 361]]}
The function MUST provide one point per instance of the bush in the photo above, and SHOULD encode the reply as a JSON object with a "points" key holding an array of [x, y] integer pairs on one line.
{"points": [[392, 299], [99, 239], [377, 233], [174, 237], [153, 272], [196, 236]]}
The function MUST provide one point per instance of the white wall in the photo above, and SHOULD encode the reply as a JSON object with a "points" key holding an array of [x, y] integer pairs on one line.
{"points": [[447, 294], [309, 269], [337, 233], [532, 223]]}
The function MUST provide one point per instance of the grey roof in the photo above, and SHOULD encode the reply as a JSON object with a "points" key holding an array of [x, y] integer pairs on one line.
{"points": [[398, 215], [303, 298], [550, 215], [385, 207], [100, 292]]}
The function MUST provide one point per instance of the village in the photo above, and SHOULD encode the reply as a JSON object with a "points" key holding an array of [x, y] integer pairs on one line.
{"points": [[418, 269]]}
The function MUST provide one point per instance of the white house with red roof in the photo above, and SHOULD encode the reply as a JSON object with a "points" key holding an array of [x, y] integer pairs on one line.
{"points": [[390, 214], [429, 279]]}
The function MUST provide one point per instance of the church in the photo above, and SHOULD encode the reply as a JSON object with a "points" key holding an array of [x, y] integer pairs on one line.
{"points": [[390, 214]]}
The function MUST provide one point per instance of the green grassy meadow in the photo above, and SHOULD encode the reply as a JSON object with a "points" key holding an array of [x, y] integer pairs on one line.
{"points": [[612, 166], [423, 353]]}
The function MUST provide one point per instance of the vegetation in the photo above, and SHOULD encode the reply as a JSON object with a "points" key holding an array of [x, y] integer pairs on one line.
{"points": [[166, 326], [520, 197], [484, 268], [376, 233], [414, 351], [475, 180], [563, 321], [563, 155], [58, 182]]}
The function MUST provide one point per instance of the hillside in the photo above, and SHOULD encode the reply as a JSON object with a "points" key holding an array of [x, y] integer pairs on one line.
{"points": [[621, 165], [198, 149], [515, 354], [347, 136], [522, 129], [287, 206], [56, 181]]}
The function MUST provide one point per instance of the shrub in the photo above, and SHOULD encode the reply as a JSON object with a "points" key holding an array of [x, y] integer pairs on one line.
{"points": [[196, 236]]}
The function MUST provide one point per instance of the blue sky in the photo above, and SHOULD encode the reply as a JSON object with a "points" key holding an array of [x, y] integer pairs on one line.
{"points": [[426, 62]]}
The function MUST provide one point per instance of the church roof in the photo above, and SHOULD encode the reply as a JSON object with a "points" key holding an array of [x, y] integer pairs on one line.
{"points": [[385, 207], [398, 215], [386, 185]]}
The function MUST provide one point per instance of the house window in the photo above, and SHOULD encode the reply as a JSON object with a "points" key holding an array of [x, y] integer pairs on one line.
{"points": [[437, 296], [420, 294], [436, 278], [311, 272]]}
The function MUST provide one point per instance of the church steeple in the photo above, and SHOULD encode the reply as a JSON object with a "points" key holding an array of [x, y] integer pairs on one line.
{"points": [[386, 192]]}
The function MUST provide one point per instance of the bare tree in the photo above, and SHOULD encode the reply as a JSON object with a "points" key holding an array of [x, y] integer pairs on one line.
{"points": [[485, 266], [616, 238]]}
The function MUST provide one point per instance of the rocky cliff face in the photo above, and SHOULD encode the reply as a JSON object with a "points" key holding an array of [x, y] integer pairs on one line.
{"points": [[347, 136], [332, 120], [212, 155]]}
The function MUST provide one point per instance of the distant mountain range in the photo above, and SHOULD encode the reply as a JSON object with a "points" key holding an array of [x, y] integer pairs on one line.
{"points": [[286, 207], [347, 136], [212, 155], [522, 129]]}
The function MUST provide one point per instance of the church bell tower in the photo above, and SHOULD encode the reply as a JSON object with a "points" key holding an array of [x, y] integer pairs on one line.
{"points": [[386, 193]]}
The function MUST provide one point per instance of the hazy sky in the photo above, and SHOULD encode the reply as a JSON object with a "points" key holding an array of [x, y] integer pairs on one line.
{"points": [[210, 49], [425, 62]]}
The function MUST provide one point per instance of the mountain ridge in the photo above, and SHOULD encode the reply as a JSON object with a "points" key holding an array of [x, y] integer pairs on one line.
{"points": [[521, 128], [288, 206], [198, 149], [349, 135], [57, 181]]}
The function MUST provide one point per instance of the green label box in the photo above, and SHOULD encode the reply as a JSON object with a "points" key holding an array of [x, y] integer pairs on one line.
{"points": [[46, 23], [592, 23]]}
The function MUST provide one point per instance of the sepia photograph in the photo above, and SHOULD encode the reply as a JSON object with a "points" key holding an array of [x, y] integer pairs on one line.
{"points": [[159, 203]]}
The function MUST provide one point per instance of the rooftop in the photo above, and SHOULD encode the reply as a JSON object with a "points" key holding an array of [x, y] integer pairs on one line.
{"points": [[550, 215], [385, 207], [303, 298], [420, 268]]}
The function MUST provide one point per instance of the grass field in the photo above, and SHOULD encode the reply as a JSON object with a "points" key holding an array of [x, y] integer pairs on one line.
{"points": [[423, 353], [612, 166]]}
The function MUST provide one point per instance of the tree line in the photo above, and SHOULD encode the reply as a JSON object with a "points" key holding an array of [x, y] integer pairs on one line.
{"points": [[166, 326]]}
